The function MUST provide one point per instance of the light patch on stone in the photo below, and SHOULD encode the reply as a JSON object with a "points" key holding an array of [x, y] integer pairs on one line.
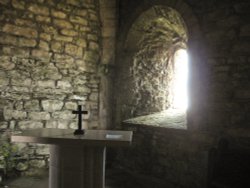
{"points": [[39, 115], [46, 84], [51, 124], [52, 105], [15, 114], [30, 124], [78, 97], [70, 105], [66, 115]]}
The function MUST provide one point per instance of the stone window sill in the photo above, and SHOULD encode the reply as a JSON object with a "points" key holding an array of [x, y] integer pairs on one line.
{"points": [[172, 119]]}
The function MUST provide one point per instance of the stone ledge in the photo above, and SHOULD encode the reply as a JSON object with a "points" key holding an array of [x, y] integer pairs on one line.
{"points": [[173, 119]]}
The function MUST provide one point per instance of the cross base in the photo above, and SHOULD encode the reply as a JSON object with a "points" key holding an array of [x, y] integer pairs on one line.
{"points": [[79, 132]]}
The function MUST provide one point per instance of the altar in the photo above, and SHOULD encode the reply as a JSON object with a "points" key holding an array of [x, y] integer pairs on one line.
{"points": [[76, 161]]}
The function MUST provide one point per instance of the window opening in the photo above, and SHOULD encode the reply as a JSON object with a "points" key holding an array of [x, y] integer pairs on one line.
{"points": [[180, 78]]}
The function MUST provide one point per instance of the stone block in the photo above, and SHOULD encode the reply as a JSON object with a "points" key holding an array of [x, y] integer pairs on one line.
{"points": [[46, 72], [41, 54], [4, 80], [5, 63], [39, 115], [16, 96], [78, 20], [58, 14], [56, 46], [51, 124], [84, 29], [7, 39], [85, 66], [52, 105], [21, 81], [82, 43], [82, 89], [64, 7], [12, 124], [19, 89], [69, 32], [3, 125], [20, 31], [63, 38], [32, 105], [65, 115], [14, 114], [73, 50], [24, 22], [46, 84], [94, 97], [62, 24], [70, 105], [18, 4], [44, 19], [43, 45], [62, 124], [49, 29], [18, 105], [64, 84], [64, 61], [38, 9], [19, 52], [80, 80], [73, 125], [82, 97], [45, 36], [23, 42], [23, 125]]}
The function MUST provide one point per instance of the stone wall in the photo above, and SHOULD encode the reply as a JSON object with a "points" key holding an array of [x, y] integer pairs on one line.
{"points": [[218, 48], [161, 157], [49, 55]]}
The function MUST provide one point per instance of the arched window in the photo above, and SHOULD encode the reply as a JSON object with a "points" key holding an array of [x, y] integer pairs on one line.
{"points": [[156, 76]]}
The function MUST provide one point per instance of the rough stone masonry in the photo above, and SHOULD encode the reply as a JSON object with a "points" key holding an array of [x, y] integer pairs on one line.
{"points": [[49, 52]]}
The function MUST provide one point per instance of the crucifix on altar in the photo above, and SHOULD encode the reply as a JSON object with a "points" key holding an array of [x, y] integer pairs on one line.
{"points": [[77, 158], [79, 111]]}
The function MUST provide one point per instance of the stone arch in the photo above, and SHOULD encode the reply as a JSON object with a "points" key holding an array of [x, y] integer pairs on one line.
{"points": [[194, 34], [181, 7]]}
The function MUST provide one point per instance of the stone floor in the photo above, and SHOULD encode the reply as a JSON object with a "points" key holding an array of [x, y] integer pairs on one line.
{"points": [[114, 179]]}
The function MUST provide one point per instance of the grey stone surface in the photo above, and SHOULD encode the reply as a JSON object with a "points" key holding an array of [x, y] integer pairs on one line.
{"points": [[42, 51], [172, 118]]}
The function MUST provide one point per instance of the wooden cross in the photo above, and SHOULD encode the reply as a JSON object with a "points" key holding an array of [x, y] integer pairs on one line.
{"points": [[79, 131]]}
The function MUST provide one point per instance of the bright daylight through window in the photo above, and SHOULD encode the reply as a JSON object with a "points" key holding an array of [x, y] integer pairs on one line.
{"points": [[180, 98]]}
